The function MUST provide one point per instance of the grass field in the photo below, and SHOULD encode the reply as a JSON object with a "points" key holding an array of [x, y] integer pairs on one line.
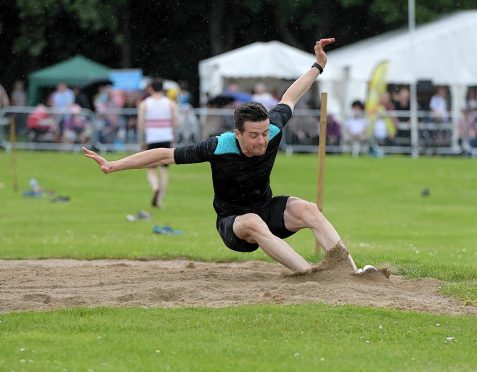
{"points": [[374, 203]]}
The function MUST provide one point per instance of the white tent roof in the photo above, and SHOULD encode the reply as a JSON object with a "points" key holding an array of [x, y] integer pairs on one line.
{"points": [[258, 60], [443, 51]]}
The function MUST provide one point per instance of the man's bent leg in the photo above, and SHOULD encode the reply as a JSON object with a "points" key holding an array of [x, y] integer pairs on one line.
{"points": [[301, 214], [251, 228]]}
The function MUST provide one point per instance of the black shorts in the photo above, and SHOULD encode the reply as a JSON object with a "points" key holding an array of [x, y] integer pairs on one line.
{"points": [[271, 214], [159, 145]]}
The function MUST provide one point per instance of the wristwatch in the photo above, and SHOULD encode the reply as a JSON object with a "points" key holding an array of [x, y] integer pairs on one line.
{"points": [[318, 67]]}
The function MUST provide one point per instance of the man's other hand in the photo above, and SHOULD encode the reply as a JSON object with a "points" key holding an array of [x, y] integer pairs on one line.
{"points": [[105, 165]]}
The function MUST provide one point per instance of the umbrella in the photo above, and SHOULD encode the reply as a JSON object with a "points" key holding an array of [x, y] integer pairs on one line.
{"points": [[96, 83], [221, 100], [91, 87]]}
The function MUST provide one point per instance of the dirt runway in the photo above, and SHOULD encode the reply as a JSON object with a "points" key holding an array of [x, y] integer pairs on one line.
{"points": [[53, 284]]}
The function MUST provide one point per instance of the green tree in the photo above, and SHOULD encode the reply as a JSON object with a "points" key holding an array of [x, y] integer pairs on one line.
{"points": [[169, 38]]}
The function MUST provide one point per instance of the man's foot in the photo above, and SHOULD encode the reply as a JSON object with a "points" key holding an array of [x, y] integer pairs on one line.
{"points": [[370, 270], [366, 268]]}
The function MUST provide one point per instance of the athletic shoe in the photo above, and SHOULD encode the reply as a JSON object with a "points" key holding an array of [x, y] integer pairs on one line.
{"points": [[141, 215], [165, 230]]}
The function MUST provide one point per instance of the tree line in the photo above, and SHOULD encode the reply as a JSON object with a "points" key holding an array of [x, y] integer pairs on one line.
{"points": [[169, 38]]}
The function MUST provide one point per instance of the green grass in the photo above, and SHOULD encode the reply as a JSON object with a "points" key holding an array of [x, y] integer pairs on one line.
{"points": [[316, 337], [375, 204]]}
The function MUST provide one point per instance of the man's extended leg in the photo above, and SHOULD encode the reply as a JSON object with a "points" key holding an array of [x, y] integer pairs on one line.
{"points": [[301, 214], [152, 178], [251, 228]]}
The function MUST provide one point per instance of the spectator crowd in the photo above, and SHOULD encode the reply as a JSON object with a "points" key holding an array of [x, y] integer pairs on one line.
{"points": [[65, 116]]}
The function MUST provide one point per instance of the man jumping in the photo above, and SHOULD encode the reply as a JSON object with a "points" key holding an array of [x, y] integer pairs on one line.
{"points": [[248, 216]]}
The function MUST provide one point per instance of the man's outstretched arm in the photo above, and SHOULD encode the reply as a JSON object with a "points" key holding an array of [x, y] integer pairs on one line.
{"points": [[304, 82], [145, 159]]}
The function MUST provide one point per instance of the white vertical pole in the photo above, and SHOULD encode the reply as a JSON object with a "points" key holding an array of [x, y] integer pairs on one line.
{"points": [[413, 88]]}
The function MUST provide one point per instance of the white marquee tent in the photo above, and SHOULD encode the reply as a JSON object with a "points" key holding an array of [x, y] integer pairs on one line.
{"points": [[444, 51], [258, 60]]}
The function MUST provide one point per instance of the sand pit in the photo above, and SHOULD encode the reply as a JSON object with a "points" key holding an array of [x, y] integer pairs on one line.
{"points": [[54, 284]]}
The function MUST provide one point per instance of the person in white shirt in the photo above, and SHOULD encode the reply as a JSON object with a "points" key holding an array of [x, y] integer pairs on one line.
{"points": [[439, 113], [356, 128], [438, 106], [157, 121], [261, 95]]}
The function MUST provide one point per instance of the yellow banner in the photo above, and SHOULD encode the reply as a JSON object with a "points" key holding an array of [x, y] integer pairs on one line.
{"points": [[377, 87]]}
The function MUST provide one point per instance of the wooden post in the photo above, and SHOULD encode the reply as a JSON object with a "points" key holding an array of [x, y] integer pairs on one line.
{"points": [[13, 140], [321, 157], [322, 151]]}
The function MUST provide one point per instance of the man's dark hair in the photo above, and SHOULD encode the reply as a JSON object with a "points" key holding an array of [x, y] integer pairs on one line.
{"points": [[157, 85], [250, 111], [357, 103]]}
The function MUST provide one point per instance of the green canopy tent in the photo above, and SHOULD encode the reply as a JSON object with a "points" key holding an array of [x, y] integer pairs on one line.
{"points": [[74, 71]]}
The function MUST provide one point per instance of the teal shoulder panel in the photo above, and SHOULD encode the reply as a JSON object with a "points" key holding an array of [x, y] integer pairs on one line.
{"points": [[274, 130], [226, 144]]}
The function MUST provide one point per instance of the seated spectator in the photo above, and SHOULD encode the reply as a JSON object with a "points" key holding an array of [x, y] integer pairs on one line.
{"points": [[42, 126], [467, 131], [218, 123], [261, 95], [234, 90], [355, 128], [440, 116], [61, 99], [109, 121], [402, 103], [81, 98], [302, 129], [184, 94], [77, 127], [438, 106], [133, 98], [471, 100], [333, 131]]}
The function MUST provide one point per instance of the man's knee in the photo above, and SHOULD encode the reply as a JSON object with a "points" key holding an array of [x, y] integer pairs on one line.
{"points": [[249, 225], [308, 212]]}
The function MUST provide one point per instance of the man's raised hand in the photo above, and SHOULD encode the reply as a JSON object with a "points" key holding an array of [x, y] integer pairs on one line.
{"points": [[102, 162], [320, 53]]}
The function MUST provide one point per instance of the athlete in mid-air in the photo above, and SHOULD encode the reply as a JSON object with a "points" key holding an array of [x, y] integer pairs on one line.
{"points": [[248, 216]]}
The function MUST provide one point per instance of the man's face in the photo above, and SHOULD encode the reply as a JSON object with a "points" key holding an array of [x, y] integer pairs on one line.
{"points": [[254, 139]]}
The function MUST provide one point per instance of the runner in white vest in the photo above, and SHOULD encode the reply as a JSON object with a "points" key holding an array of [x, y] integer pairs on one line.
{"points": [[157, 120]]}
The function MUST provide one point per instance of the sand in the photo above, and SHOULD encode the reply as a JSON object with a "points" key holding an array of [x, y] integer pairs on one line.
{"points": [[54, 284]]}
